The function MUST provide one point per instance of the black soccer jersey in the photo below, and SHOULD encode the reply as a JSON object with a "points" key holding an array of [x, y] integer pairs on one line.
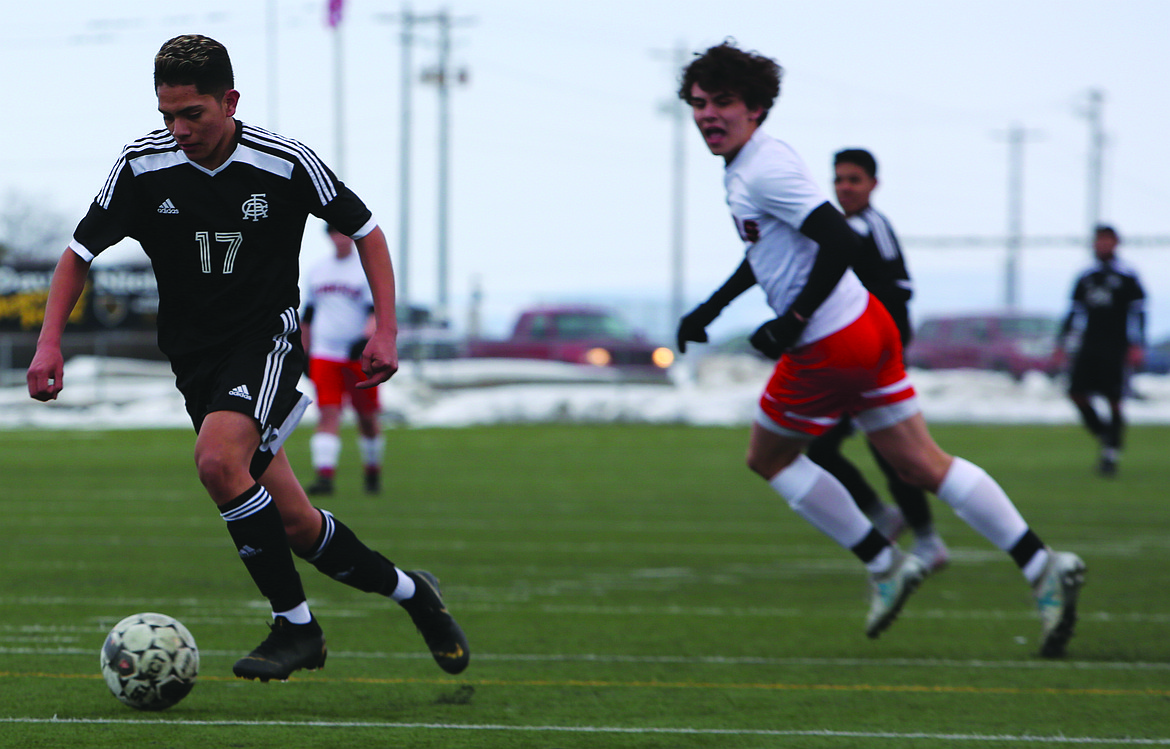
{"points": [[1108, 309], [881, 267], [224, 243]]}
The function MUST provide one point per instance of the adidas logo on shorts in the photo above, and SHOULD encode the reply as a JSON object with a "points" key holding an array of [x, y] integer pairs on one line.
{"points": [[167, 207], [241, 391]]}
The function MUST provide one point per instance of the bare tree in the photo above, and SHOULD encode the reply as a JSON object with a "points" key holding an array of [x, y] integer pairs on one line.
{"points": [[30, 229]]}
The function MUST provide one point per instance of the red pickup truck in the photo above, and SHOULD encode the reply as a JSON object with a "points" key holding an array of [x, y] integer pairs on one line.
{"points": [[579, 335]]}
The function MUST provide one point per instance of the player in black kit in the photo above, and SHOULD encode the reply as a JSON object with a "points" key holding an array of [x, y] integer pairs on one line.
{"points": [[882, 269], [1108, 320], [219, 206]]}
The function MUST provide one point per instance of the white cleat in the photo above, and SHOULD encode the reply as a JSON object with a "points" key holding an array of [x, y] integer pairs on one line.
{"points": [[1056, 596], [889, 591]]}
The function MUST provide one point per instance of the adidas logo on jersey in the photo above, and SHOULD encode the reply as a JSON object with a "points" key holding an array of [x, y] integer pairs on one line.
{"points": [[241, 391], [167, 207], [246, 552]]}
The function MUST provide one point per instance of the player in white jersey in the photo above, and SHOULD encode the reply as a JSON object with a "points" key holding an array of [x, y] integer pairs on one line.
{"points": [[336, 324], [839, 354]]}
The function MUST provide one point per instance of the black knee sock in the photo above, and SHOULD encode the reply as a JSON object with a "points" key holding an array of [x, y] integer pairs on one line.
{"points": [[910, 499], [1090, 418], [255, 525], [825, 451], [340, 555]]}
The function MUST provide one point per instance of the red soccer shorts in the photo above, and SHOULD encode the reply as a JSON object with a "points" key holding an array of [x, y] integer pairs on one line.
{"points": [[856, 369], [335, 380]]}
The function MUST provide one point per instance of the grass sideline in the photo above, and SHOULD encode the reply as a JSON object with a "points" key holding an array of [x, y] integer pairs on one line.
{"points": [[625, 585]]}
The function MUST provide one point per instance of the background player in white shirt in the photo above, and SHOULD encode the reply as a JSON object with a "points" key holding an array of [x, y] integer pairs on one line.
{"points": [[337, 321], [839, 353]]}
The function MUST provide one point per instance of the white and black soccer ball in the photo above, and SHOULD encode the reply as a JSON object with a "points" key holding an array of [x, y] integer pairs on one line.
{"points": [[150, 661]]}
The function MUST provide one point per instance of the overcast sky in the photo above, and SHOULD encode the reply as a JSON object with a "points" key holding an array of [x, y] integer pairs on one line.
{"points": [[561, 153]]}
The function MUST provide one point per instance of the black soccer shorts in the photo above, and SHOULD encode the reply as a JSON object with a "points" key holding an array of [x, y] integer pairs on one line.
{"points": [[257, 378]]}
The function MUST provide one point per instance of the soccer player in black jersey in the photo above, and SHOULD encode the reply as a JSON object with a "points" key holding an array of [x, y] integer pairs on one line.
{"points": [[1108, 318], [219, 206], [880, 266]]}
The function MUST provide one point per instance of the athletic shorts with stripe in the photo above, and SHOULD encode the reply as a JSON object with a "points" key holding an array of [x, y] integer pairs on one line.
{"points": [[335, 380], [258, 378], [856, 371]]}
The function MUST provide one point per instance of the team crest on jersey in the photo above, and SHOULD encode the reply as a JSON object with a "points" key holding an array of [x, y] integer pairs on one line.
{"points": [[256, 207]]}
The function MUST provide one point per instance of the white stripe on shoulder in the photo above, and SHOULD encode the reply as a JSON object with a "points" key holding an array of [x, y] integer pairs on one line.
{"points": [[326, 189], [158, 139], [883, 235], [264, 161]]}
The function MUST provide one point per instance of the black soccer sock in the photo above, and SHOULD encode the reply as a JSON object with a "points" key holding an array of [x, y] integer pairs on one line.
{"points": [[910, 499], [825, 451], [342, 556], [255, 525], [1090, 418]]}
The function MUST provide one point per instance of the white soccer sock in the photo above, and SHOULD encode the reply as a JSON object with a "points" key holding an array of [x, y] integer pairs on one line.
{"points": [[822, 500], [405, 587], [982, 504], [325, 449], [299, 615], [371, 449]]}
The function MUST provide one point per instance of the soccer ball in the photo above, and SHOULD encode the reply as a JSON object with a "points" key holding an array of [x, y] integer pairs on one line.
{"points": [[150, 661]]}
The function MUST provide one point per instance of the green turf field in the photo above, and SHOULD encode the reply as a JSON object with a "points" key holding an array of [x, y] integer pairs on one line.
{"points": [[622, 586]]}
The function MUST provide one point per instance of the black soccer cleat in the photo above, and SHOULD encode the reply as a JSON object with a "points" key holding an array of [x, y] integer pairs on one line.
{"points": [[373, 481], [443, 636], [288, 647], [322, 487]]}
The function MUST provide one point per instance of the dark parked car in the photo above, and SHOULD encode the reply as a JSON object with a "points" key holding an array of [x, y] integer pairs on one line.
{"points": [[580, 335], [1007, 342]]}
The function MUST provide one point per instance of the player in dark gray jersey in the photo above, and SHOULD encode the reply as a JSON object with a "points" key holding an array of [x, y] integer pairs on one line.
{"points": [[882, 269], [1107, 327], [219, 207]]}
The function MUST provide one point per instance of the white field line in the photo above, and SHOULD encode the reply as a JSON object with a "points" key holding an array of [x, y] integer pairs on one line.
{"points": [[651, 730], [214, 611], [697, 660]]}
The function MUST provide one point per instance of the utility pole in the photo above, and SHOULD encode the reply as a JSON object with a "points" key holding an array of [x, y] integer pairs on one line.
{"points": [[1094, 113], [273, 94], [442, 77], [335, 16], [677, 111], [1016, 137], [407, 82]]}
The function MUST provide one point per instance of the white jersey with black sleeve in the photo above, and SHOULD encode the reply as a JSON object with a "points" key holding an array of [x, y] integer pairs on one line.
{"points": [[770, 193], [224, 243]]}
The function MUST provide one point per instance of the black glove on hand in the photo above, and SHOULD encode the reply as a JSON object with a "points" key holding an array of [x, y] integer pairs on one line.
{"points": [[693, 326], [359, 346], [775, 337]]}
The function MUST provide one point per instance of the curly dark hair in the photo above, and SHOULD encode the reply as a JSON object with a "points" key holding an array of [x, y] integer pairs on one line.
{"points": [[727, 68], [195, 60]]}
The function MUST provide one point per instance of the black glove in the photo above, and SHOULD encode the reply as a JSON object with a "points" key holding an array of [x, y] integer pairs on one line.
{"points": [[775, 337], [359, 346], [693, 326]]}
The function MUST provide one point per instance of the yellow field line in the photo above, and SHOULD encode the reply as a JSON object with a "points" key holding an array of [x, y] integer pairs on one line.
{"points": [[596, 683]]}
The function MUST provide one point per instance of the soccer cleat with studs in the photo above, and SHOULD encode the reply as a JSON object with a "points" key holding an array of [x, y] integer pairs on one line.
{"points": [[1056, 594], [439, 629], [322, 487], [289, 647], [889, 591]]}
